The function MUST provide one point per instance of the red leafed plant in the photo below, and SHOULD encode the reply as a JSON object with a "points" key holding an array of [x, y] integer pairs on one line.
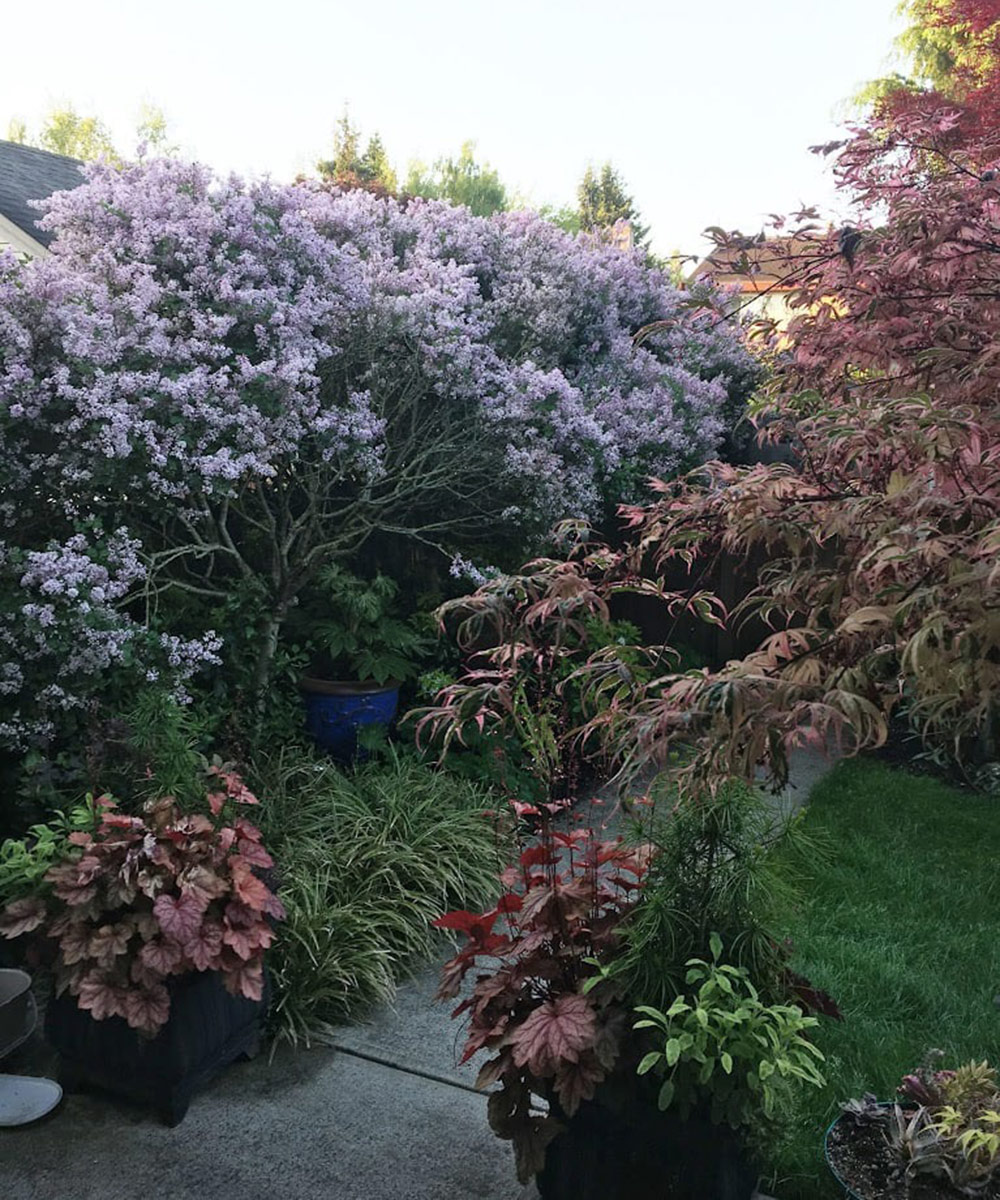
{"points": [[555, 1025], [139, 899]]}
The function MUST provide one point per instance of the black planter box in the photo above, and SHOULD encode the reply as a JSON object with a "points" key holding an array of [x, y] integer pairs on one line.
{"points": [[643, 1154], [207, 1029]]}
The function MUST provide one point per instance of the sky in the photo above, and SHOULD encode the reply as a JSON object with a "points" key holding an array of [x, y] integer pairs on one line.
{"points": [[706, 108]]}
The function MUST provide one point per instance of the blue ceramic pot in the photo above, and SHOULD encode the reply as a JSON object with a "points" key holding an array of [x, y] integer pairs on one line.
{"points": [[336, 712]]}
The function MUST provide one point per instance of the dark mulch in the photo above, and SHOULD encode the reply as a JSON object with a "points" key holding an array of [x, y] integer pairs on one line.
{"points": [[864, 1160]]}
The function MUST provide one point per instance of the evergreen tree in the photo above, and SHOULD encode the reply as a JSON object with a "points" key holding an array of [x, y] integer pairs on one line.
{"points": [[603, 200]]}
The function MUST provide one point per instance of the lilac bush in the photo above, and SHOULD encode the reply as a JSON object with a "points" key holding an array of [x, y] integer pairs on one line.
{"points": [[252, 380]]}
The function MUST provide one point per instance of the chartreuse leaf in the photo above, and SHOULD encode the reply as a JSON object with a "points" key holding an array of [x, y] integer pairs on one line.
{"points": [[649, 1061], [666, 1095]]}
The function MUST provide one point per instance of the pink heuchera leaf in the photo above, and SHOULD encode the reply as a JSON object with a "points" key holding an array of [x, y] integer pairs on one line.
{"points": [[147, 1009], [246, 979], [577, 1081], [22, 916], [100, 997], [203, 949], [179, 917], [246, 942], [252, 891], [246, 830], [555, 1032], [201, 884], [74, 943], [161, 956], [254, 853], [108, 942]]}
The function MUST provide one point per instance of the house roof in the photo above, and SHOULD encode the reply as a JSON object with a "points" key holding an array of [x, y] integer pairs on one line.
{"points": [[27, 174], [772, 266]]}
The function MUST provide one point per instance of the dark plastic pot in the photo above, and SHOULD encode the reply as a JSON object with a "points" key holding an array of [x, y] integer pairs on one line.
{"points": [[207, 1029], [336, 712], [644, 1155]]}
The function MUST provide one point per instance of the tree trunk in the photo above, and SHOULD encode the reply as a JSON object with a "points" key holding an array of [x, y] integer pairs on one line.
{"points": [[263, 670]]}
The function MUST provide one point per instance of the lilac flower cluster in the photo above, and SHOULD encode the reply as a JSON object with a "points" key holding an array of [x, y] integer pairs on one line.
{"points": [[63, 633], [199, 332], [194, 340]]}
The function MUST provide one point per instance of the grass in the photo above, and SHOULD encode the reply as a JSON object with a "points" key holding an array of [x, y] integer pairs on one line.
{"points": [[899, 924], [366, 860]]}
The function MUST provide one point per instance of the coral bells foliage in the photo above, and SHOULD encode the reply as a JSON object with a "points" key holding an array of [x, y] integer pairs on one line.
{"points": [[549, 1034], [140, 899]]}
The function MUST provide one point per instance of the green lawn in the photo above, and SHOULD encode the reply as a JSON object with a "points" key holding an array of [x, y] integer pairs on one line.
{"points": [[901, 926]]}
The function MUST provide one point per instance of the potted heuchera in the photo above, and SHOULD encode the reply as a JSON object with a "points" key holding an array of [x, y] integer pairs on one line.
{"points": [[603, 1097], [547, 934], [156, 926]]}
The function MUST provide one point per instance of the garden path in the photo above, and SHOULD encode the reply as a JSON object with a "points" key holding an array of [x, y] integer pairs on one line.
{"points": [[385, 1114]]}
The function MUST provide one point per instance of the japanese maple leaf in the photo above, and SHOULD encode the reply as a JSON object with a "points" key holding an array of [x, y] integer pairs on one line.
{"points": [[556, 1031], [147, 1009], [22, 916], [452, 974], [100, 997], [476, 926], [179, 916]]}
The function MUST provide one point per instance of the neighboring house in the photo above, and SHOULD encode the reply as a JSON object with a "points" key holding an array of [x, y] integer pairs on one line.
{"points": [[27, 174], [765, 274]]}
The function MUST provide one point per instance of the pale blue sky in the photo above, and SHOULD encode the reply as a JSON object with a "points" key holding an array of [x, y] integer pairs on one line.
{"points": [[706, 108]]}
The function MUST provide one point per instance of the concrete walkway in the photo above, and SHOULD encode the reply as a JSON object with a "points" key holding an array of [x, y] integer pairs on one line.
{"points": [[385, 1115]]}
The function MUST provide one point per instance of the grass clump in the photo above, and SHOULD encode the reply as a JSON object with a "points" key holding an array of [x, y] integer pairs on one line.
{"points": [[366, 860], [899, 924]]}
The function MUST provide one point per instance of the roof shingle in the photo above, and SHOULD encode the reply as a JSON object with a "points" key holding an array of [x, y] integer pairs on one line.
{"points": [[27, 174]]}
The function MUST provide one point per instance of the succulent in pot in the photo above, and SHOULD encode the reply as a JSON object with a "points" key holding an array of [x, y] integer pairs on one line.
{"points": [[938, 1139]]}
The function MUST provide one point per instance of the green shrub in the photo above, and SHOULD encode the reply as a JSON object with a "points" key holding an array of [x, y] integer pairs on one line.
{"points": [[724, 1047], [366, 860]]}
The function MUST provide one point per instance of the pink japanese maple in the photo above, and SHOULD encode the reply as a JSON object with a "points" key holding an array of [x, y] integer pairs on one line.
{"points": [[139, 899]]}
